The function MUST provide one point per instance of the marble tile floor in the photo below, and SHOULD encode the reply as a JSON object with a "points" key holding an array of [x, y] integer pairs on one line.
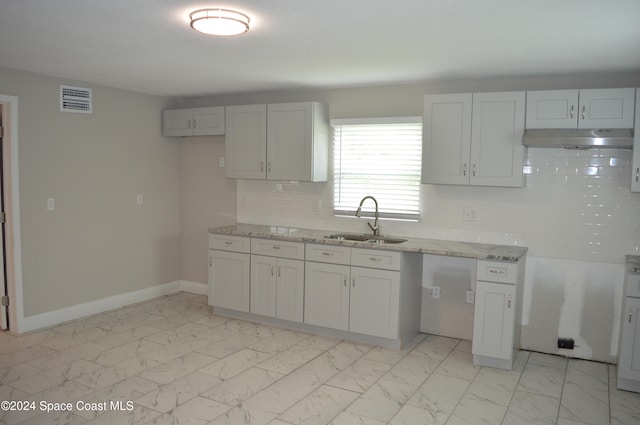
{"points": [[170, 361]]}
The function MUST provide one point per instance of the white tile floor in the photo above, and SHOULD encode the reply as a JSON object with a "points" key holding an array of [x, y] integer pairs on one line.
{"points": [[172, 362]]}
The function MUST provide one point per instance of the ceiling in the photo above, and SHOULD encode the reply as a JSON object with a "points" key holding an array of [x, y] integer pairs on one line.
{"points": [[148, 46]]}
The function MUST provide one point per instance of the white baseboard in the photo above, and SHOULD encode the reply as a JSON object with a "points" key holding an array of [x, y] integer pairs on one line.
{"points": [[52, 318], [194, 287]]}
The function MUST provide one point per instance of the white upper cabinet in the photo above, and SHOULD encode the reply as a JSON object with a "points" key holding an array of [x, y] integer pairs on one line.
{"points": [[446, 138], [474, 139], [194, 122], [597, 108], [287, 141], [635, 170], [246, 141], [497, 154]]}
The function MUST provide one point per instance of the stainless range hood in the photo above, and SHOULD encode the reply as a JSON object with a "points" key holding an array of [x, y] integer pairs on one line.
{"points": [[579, 138]]}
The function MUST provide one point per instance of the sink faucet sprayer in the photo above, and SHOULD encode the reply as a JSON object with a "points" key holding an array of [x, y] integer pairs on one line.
{"points": [[375, 228]]}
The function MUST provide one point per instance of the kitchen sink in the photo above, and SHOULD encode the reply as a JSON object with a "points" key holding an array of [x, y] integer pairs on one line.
{"points": [[358, 237], [349, 237]]}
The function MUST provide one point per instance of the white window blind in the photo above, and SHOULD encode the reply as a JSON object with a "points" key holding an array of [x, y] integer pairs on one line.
{"points": [[381, 158]]}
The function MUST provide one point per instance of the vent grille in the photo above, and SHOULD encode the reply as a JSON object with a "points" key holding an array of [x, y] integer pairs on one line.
{"points": [[75, 99]]}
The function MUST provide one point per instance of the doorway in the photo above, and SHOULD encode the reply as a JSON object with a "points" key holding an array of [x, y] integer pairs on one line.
{"points": [[11, 307]]}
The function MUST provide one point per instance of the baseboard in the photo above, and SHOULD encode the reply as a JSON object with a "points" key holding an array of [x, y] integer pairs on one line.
{"points": [[194, 287], [56, 317]]}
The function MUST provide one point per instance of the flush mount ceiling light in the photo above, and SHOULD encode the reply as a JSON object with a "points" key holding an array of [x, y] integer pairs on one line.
{"points": [[219, 21]]}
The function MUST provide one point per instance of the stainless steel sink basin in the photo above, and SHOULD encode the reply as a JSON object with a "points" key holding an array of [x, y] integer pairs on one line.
{"points": [[364, 238], [349, 237], [384, 239]]}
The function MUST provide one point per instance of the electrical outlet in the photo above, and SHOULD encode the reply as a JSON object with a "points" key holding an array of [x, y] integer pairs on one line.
{"points": [[317, 205], [470, 297], [51, 204], [140, 199], [435, 292], [469, 214], [566, 343], [221, 162]]}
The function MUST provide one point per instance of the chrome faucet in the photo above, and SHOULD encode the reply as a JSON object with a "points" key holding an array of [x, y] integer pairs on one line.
{"points": [[375, 228]]}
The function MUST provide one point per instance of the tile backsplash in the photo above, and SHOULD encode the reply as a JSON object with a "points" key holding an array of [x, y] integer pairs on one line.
{"points": [[576, 205]]}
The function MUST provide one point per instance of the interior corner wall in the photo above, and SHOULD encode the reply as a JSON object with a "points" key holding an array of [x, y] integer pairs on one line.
{"points": [[98, 242], [208, 199]]}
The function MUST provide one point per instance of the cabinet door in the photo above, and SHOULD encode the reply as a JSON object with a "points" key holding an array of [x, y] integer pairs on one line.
{"points": [[263, 285], [629, 357], [326, 295], [246, 141], [497, 154], [290, 290], [231, 277], [208, 121], [552, 109], [446, 138], [606, 108], [635, 170], [177, 122], [297, 142], [375, 298], [494, 320]]}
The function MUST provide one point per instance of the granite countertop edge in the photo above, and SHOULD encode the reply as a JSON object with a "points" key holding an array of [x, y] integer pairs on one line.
{"points": [[480, 251]]}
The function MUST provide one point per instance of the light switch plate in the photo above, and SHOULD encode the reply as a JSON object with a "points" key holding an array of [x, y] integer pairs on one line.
{"points": [[51, 204], [470, 297]]}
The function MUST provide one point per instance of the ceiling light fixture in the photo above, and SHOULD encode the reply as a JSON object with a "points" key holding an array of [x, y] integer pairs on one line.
{"points": [[219, 21]]}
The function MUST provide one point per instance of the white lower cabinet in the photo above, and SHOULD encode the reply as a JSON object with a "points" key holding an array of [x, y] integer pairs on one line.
{"points": [[374, 303], [496, 327], [364, 292], [229, 280], [326, 297], [277, 287], [629, 352], [277, 279], [494, 320]]}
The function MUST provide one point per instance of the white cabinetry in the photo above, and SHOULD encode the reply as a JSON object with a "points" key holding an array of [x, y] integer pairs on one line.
{"points": [[326, 295], [597, 108], [496, 326], [277, 283], [629, 352], [473, 139], [194, 122], [375, 296], [229, 272], [287, 141], [635, 170]]}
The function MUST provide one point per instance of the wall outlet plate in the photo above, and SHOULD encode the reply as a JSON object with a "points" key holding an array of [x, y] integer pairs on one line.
{"points": [[435, 292], [470, 297], [566, 343]]}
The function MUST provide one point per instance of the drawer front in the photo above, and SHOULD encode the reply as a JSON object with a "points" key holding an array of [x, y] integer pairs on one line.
{"points": [[494, 271], [633, 285], [377, 259], [275, 248], [230, 243], [328, 254]]}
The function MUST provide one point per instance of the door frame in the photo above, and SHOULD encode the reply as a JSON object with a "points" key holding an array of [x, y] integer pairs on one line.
{"points": [[13, 252]]}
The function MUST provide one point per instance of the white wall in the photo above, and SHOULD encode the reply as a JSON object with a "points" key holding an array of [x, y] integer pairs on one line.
{"points": [[98, 242], [576, 213]]}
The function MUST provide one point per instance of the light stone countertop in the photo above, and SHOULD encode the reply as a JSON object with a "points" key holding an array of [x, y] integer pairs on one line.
{"points": [[633, 263], [478, 251]]}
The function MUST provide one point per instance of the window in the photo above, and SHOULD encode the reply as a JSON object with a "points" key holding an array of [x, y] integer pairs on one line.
{"points": [[381, 158]]}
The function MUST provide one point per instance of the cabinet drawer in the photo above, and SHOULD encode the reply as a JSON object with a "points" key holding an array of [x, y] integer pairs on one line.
{"points": [[494, 271], [230, 243], [275, 248], [377, 259], [633, 285], [328, 254]]}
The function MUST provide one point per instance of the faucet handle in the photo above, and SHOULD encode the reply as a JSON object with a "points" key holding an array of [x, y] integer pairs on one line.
{"points": [[374, 229]]}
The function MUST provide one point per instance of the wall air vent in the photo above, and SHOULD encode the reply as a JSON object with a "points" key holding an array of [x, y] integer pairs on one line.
{"points": [[75, 99]]}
